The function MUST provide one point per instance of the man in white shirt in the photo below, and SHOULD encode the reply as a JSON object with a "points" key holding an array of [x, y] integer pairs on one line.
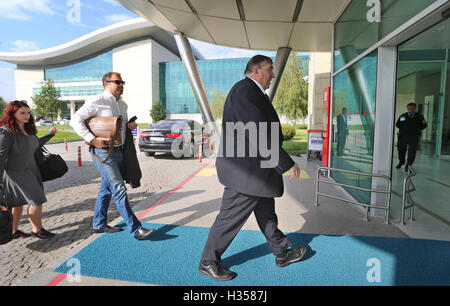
{"points": [[109, 104]]}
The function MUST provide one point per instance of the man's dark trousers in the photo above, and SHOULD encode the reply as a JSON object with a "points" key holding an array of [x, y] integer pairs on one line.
{"points": [[407, 143], [235, 210]]}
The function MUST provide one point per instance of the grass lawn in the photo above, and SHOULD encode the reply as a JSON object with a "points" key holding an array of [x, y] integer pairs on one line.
{"points": [[143, 125], [58, 127], [60, 136], [297, 145]]}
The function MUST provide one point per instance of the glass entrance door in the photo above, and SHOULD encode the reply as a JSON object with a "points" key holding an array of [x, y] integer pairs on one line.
{"points": [[423, 77]]}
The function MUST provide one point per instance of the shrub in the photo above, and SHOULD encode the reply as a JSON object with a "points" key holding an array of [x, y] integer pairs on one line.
{"points": [[158, 112], [288, 131]]}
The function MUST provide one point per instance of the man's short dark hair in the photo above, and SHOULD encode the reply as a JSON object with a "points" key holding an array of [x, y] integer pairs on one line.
{"points": [[108, 76], [257, 60], [412, 104]]}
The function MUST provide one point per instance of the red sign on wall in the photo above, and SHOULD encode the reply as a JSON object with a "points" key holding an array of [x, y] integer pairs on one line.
{"points": [[326, 125]]}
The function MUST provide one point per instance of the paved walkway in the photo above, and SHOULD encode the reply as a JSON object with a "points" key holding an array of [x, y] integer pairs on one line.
{"points": [[193, 199], [69, 209]]}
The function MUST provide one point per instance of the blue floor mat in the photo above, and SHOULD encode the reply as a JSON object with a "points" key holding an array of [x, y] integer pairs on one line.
{"points": [[172, 254]]}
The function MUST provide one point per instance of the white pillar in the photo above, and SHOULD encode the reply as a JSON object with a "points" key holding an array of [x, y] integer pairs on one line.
{"points": [[278, 68], [384, 121]]}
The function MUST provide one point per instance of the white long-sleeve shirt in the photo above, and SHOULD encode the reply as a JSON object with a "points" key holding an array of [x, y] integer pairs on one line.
{"points": [[105, 105]]}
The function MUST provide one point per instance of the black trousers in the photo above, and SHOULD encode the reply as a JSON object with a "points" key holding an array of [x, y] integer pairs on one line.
{"points": [[407, 143], [235, 210], [341, 141]]}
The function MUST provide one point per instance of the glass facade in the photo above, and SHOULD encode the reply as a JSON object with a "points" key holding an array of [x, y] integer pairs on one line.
{"points": [[349, 43], [90, 70], [353, 124], [76, 91], [218, 75], [423, 77]]}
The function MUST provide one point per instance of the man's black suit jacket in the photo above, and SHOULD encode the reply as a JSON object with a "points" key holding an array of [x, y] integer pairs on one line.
{"points": [[246, 103]]}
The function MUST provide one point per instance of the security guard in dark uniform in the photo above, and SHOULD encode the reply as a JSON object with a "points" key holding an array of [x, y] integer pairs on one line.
{"points": [[410, 125]]}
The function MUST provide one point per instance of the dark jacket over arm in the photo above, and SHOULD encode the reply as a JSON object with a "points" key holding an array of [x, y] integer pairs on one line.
{"points": [[44, 139], [130, 169], [6, 141], [246, 104]]}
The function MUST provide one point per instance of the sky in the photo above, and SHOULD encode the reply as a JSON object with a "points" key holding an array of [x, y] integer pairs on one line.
{"points": [[29, 25]]}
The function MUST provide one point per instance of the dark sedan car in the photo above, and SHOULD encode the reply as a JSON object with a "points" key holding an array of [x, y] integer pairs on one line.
{"points": [[181, 137]]}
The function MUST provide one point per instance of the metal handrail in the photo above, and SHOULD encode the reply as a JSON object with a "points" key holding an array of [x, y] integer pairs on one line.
{"points": [[406, 194], [367, 206]]}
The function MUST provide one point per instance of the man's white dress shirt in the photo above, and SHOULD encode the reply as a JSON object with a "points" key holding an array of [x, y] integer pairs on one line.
{"points": [[104, 105]]}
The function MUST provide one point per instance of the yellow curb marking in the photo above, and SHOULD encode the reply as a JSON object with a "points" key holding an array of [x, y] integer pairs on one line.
{"points": [[213, 171], [207, 172], [303, 174]]}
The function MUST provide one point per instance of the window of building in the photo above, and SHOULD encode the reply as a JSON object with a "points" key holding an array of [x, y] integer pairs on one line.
{"points": [[76, 91], [365, 22], [218, 75], [354, 124], [87, 71]]}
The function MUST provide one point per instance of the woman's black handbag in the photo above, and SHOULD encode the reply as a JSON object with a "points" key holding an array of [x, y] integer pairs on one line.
{"points": [[6, 223], [51, 166]]}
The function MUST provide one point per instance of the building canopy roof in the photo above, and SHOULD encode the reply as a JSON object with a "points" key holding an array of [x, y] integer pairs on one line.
{"points": [[94, 43], [303, 25]]}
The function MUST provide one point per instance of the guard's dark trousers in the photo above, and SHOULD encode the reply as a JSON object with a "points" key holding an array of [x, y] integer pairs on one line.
{"points": [[234, 212], [407, 143]]}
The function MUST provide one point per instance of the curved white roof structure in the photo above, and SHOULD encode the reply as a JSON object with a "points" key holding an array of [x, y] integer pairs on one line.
{"points": [[303, 25], [94, 43]]}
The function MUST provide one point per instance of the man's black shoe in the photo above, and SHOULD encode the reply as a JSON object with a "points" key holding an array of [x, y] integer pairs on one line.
{"points": [[290, 256], [216, 272], [143, 233], [107, 229], [406, 168], [399, 166]]}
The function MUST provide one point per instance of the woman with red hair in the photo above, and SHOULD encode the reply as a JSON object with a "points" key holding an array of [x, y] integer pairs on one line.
{"points": [[20, 177]]}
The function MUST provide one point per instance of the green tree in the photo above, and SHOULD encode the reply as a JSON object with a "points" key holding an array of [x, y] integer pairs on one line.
{"points": [[217, 103], [291, 99], [3, 105], [158, 112], [47, 102]]}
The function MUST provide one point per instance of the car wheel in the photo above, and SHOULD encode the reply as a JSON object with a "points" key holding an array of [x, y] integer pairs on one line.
{"points": [[149, 153]]}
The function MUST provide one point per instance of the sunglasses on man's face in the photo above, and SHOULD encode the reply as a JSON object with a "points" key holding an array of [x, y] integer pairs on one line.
{"points": [[118, 82]]}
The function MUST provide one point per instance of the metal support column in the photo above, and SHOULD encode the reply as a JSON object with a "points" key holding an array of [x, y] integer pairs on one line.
{"points": [[196, 82], [278, 69], [383, 142]]}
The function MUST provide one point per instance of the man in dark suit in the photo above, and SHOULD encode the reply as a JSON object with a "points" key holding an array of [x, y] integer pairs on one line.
{"points": [[410, 125], [342, 131], [252, 174]]}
